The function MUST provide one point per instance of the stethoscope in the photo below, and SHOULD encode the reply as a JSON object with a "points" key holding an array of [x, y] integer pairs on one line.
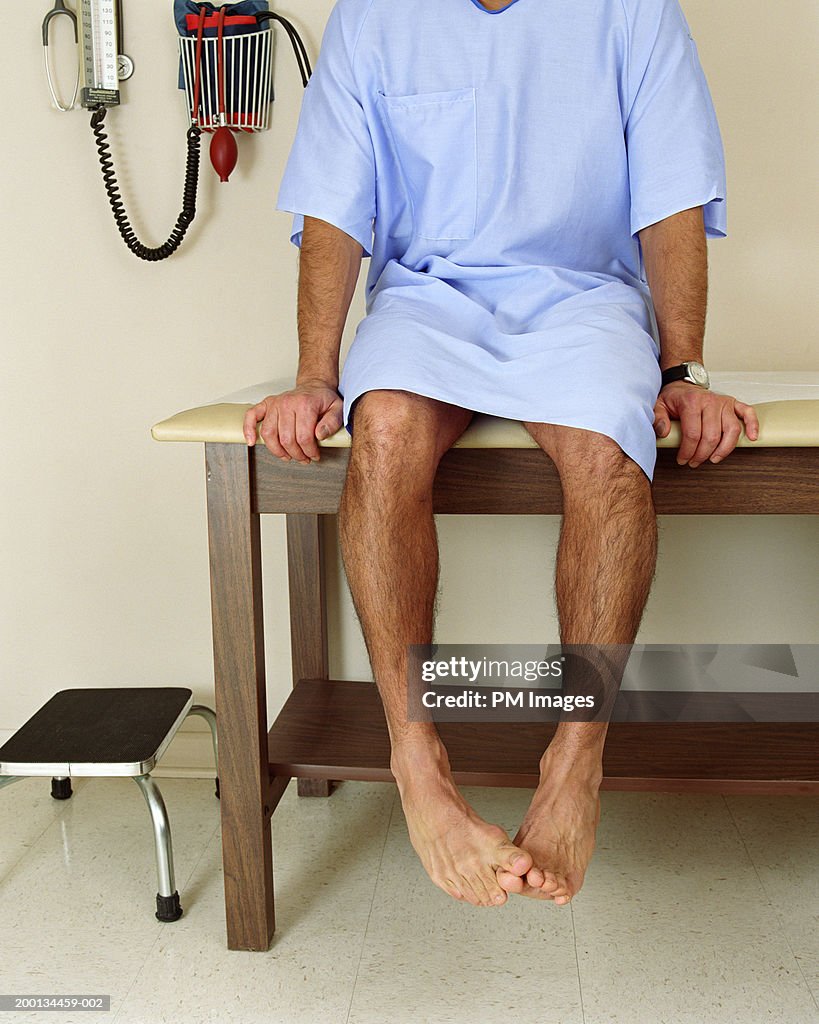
{"points": [[125, 66], [58, 9]]}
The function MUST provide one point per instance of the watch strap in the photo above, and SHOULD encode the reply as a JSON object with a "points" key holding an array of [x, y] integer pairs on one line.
{"points": [[683, 372], [674, 373]]}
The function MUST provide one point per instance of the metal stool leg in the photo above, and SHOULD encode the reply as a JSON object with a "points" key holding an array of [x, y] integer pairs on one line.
{"points": [[210, 718], [167, 899]]}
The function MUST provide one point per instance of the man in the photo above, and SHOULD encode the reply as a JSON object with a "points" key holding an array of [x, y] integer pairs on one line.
{"points": [[534, 182]]}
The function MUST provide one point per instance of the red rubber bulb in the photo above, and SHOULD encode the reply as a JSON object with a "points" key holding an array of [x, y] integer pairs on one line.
{"points": [[223, 152]]}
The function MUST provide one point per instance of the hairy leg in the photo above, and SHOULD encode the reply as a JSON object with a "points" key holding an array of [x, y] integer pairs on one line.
{"points": [[605, 564], [390, 551]]}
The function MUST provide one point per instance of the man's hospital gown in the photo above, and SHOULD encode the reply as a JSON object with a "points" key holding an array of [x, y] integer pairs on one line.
{"points": [[496, 167]]}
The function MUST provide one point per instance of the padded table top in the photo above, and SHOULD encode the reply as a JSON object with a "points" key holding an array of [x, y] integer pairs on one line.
{"points": [[786, 402]]}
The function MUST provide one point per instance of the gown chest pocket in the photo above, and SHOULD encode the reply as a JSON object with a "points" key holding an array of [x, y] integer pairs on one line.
{"points": [[434, 135]]}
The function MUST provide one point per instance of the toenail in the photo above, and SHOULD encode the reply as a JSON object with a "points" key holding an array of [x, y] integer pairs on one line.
{"points": [[499, 898]]}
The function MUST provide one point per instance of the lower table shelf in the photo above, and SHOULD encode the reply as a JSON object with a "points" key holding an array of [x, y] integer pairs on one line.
{"points": [[334, 729]]}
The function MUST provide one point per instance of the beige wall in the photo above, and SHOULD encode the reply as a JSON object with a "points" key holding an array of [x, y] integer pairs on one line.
{"points": [[104, 568]]}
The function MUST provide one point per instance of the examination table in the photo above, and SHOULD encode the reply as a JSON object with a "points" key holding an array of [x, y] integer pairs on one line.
{"points": [[333, 729]]}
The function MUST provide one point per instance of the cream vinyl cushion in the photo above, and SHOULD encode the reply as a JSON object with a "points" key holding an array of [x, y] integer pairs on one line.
{"points": [[787, 404]]}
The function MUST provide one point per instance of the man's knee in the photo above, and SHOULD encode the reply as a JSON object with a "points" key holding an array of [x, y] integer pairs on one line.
{"points": [[389, 425], [586, 455], [395, 452], [382, 418]]}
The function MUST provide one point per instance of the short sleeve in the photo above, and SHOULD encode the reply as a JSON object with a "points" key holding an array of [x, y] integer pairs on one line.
{"points": [[675, 153], [330, 172]]}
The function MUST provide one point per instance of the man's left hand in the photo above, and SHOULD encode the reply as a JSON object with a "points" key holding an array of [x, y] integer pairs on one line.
{"points": [[711, 424]]}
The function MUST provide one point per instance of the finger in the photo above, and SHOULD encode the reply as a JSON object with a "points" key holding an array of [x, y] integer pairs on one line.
{"points": [[287, 434], [306, 433], [252, 417], [331, 421], [747, 414], [731, 430], [269, 432], [711, 433], [691, 429], [662, 420]]}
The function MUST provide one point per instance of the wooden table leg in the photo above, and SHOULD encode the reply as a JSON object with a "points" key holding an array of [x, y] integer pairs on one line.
{"points": [[241, 709], [308, 614]]}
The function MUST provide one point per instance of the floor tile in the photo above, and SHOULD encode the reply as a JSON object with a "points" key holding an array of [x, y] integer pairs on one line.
{"points": [[27, 809], [781, 835], [673, 926]]}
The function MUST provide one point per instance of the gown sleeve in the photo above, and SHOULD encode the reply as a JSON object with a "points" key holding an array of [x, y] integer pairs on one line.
{"points": [[675, 153], [330, 172]]}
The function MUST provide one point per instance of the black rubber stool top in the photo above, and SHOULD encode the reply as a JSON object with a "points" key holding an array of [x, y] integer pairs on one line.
{"points": [[107, 731]]}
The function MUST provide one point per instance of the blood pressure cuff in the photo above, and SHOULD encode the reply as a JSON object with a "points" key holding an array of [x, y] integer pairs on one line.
{"points": [[240, 19]]}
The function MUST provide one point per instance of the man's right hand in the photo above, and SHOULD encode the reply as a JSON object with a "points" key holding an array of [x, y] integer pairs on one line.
{"points": [[293, 420]]}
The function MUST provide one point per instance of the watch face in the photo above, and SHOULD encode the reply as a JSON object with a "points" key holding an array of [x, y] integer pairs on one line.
{"points": [[698, 373]]}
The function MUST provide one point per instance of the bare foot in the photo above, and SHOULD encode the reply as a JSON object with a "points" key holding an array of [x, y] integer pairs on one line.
{"points": [[558, 830], [461, 853]]}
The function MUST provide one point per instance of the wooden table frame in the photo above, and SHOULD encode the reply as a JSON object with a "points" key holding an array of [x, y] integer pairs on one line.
{"points": [[332, 730]]}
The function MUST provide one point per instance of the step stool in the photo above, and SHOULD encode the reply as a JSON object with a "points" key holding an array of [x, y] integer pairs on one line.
{"points": [[109, 732]]}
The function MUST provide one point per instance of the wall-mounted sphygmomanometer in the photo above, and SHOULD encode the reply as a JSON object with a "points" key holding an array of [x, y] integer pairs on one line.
{"points": [[225, 71]]}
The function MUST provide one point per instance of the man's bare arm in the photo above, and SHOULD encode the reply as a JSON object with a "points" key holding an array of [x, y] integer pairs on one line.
{"points": [[675, 255], [329, 265]]}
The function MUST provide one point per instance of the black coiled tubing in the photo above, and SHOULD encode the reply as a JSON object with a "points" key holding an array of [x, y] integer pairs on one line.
{"points": [[188, 212]]}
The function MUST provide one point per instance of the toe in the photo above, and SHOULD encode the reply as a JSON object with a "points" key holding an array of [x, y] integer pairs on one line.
{"points": [[570, 888], [496, 897], [551, 883], [496, 893], [511, 883], [470, 893], [514, 860], [535, 877], [477, 889], [487, 889], [535, 894], [450, 887], [547, 881]]}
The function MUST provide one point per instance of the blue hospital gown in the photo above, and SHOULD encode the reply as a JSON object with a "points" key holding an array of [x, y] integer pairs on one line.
{"points": [[497, 167]]}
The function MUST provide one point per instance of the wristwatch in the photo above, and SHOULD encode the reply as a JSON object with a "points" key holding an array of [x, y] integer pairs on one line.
{"points": [[694, 373]]}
